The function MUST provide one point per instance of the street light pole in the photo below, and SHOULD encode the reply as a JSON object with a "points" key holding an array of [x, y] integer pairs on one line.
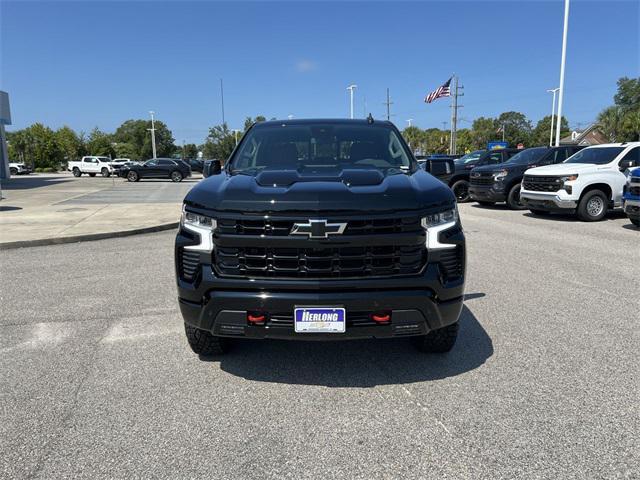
{"points": [[553, 112], [562, 63], [153, 135], [409, 120], [351, 88]]}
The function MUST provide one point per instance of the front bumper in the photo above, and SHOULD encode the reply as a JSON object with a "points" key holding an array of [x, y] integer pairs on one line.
{"points": [[487, 193], [417, 303], [547, 201]]}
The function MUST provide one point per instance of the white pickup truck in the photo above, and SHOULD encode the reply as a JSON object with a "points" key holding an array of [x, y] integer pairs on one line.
{"points": [[588, 183], [92, 166]]}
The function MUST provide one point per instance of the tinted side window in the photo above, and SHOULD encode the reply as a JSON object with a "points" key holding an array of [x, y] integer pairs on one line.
{"points": [[633, 155], [561, 155], [495, 157], [165, 162]]}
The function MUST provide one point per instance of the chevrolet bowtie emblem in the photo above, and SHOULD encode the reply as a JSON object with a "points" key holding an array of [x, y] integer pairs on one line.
{"points": [[318, 229]]}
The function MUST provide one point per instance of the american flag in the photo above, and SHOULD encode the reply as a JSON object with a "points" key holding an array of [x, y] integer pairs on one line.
{"points": [[441, 91]]}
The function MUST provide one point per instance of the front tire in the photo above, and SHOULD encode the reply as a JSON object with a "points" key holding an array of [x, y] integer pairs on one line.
{"points": [[105, 172], [76, 172], [13, 171], [461, 191], [204, 343], [635, 221], [513, 199], [441, 340], [593, 206], [132, 176], [176, 176]]}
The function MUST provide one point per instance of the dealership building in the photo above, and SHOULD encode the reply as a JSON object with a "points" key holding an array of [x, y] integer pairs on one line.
{"points": [[5, 119]]}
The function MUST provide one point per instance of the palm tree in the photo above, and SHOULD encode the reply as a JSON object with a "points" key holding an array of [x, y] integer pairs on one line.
{"points": [[610, 120]]}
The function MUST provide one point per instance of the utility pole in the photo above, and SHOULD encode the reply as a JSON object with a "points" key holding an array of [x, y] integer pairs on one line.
{"points": [[503, 132], [236, 134], [222, 100], [388, 103], [553, 112], [351, 88], [183, 150], [562, 63], [454, 115], [153, 135]]}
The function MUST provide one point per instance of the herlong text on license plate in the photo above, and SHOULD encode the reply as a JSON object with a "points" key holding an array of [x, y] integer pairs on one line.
{"points": [[319, 320]]}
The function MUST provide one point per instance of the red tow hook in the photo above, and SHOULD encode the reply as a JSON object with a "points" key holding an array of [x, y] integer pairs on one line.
{"points": [[381, 317], [256, 318]]}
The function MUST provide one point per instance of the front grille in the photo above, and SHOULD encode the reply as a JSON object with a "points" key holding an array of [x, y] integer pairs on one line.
{"points": [[353, 319], [535, 183], [189, 264], [275, 227], [483, 179], [322, 262], [451, 263]]}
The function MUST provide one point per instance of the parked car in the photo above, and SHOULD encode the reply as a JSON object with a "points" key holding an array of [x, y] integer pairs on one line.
{"points": [[175, 170], [117, 164], [91, 165], [632, 196], [501, 183], [16, 168], [195, 164], [324, 230], [589, 183], [459, 182]]}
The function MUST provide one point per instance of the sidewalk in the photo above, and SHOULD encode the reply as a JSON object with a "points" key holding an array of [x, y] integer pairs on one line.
{"points": [[44, 209]]}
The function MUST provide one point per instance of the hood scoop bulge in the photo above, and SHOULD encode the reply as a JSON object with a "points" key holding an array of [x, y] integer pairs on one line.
{"points": [[350, 177]]}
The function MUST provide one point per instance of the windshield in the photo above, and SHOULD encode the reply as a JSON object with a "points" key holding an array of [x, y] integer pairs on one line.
{"points": [[470, 157], [321, 146], [595, 156], [528, 156]]}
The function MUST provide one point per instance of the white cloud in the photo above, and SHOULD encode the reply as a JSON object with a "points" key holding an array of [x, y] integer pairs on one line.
{"points": [[304, 66]]}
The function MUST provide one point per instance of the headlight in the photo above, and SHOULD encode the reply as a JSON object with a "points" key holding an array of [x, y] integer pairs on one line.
{"points": [[569, 178], [202, 226], [500, 175], [195, 220], [436, 223]]}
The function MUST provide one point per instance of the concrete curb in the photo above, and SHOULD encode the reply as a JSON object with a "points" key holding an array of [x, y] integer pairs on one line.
{"points": [[87, 237]]}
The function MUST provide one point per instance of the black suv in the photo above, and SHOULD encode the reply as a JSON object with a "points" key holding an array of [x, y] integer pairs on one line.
{"points": [[501, 183], [175, 170], [459, 183], [320, 230]]}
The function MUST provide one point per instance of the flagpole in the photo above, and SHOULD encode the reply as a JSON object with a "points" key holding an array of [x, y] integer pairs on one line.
{"points": [[562, 63]]}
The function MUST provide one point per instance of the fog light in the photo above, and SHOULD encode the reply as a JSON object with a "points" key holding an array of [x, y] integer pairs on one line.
{"points": [[381, 317], [256, 318]]}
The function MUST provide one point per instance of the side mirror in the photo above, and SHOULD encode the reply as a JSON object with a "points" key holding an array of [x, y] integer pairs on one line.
{"points": [[439, 168], [624, 164], [211, 167]]}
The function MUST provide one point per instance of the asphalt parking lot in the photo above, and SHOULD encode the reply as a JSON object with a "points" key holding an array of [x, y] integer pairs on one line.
{"points": [[98, 381]]}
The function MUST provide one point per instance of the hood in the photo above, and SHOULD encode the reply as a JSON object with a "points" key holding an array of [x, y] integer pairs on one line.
{"points": [[288, 190], [562, 169]]}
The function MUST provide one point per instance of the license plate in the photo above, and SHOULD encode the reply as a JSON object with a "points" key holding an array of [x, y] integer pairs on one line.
{"points": [[319, 320]]}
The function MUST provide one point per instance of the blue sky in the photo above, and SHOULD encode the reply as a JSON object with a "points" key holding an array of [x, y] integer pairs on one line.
{"points": [[90, 63]]}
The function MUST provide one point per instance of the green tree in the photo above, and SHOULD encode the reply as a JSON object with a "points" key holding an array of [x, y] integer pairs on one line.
{"points": [[137, 134], [41, 148], [415, 137], [621, 122], [190, 150], [540, 135], [70, 143], [517, 128], [219, 143], [483, 130], [101, 143]]}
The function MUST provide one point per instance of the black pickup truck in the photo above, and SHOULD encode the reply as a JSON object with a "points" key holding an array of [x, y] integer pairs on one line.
{"points": [[320, 230], [459, 181], [501, 183]]}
